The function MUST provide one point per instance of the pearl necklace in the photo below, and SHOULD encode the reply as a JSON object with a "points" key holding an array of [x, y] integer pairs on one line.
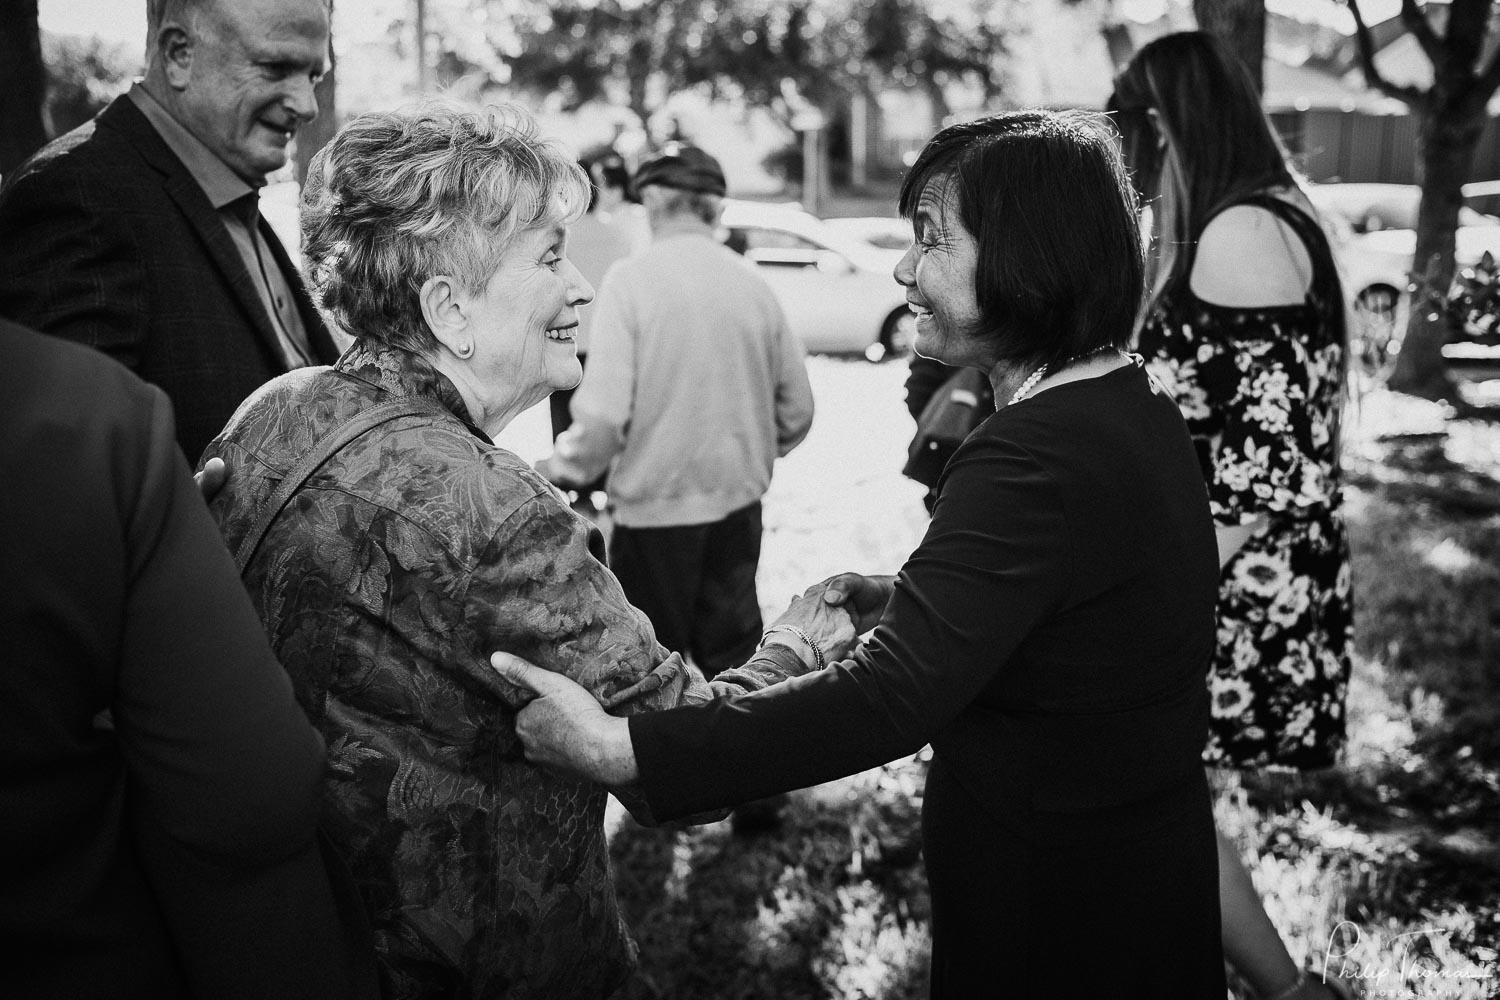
{"points": [[1041, 373]]}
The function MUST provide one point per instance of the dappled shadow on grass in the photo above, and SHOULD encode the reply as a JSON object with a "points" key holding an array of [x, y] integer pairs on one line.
{"points": [[1404, 832], [1416, 469], [832, 905]]}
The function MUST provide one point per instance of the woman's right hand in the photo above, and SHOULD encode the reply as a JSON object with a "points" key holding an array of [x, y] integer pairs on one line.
{"points": [[565, 729], [864, 597]]}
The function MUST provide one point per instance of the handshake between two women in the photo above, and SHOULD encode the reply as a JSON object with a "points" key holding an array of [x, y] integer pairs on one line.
{"points": [[564, 728]]}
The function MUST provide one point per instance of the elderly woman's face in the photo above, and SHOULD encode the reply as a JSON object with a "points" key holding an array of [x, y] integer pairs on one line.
{"points": [[525, 321], [938, 273]]}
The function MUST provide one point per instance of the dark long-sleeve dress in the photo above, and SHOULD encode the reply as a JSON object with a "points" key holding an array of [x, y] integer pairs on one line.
{"points": [[1049, 637]]}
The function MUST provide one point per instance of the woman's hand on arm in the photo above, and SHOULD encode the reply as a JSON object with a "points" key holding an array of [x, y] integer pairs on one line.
{"points": [[211, 478], [564, 728]]}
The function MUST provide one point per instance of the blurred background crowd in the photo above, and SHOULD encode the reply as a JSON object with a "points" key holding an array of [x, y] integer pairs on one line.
{"points": [[818, 106]]}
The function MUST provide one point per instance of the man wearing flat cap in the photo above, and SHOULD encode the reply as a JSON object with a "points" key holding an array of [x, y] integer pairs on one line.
{"points": [[694, 387]]}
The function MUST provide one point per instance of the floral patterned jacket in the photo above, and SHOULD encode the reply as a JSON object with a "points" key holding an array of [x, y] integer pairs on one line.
{"points": [[385, 584]]}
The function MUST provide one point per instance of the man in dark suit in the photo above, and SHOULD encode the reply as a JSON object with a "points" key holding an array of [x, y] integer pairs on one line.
{"points": [[159, 785], [138, 233]]}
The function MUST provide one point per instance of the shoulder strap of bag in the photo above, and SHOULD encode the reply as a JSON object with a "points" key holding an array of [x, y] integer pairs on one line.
{"points": [[323, 449]]}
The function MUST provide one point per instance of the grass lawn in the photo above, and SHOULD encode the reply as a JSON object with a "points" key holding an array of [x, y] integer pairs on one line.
{"points": [[1387, 867]]}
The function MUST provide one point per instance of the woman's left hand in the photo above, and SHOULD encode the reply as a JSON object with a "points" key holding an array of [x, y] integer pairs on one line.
{"points": [[830, 626], [565, 729]]}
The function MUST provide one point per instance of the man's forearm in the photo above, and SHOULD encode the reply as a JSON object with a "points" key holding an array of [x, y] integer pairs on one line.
{"points": [[583, 452]]}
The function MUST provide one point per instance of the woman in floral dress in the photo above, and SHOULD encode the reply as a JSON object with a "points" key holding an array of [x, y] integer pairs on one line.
{"points": [[1245, 327]]}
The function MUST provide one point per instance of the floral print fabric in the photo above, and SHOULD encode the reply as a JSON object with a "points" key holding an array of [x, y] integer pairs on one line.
{"points": [[1260, 390], [387, 581]]}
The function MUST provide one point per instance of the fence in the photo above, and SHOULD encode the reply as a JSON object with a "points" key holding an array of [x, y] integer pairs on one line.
{"points": [[1354, 146]]}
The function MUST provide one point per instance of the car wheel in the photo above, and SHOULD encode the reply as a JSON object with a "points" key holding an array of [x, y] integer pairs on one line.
{"points": [[896, 336]]}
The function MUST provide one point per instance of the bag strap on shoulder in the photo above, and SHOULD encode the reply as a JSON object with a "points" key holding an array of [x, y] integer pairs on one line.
{"points": [[323, 449]]}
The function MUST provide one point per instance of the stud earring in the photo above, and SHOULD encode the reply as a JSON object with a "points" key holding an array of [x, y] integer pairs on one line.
{"points": [[465, 350]]}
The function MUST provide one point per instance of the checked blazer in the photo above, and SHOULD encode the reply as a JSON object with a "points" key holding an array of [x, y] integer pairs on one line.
{"points": [[106, 239]]}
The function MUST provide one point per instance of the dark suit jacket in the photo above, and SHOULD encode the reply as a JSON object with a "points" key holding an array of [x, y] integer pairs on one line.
{"points": [[106, 239], [159, 786]]}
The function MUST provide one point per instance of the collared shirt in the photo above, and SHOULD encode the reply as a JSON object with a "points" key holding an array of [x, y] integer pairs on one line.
{"points": [[413, 553], [224, 188]]}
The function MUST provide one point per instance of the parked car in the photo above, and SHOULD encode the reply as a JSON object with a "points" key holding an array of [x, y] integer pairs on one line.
{"points": [[1374, 232], [835, 288], [885, 232]]}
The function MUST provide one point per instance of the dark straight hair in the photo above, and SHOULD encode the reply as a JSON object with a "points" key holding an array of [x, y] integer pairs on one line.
{"points": [[1208, 112], [1060, 270]]}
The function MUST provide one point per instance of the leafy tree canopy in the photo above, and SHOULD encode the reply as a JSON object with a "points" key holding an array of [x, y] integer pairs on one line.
{"points": [[772, 53]]}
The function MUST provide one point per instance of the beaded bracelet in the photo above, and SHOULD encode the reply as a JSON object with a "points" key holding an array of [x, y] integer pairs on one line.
{"points": [[799, 633]]}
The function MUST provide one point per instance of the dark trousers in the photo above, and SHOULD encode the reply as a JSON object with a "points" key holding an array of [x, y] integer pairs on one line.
{"points": [[697, 585]]}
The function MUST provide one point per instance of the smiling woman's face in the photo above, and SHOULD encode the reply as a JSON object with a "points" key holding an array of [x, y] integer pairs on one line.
{"points": [[525, 321], [938, 273]]}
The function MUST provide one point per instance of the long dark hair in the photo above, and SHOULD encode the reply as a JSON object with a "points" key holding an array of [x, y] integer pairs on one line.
{"points": [[1222, 148], [1044, 194], [1209, 113]]}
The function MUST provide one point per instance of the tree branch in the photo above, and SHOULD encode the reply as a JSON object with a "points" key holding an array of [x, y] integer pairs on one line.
{"points": [[1373, 77], [1421, 28], [1488, 81]]}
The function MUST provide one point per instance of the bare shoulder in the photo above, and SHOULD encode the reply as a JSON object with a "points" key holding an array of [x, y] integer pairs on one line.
{"points": [[1249, 257]]}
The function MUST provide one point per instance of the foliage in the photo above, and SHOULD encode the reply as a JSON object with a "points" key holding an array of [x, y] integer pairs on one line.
{"points": [[775, 54], [83, 75], [1242, 26], [1472, 304]]}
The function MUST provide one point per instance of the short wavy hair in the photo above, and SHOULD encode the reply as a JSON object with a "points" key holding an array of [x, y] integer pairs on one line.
{"points": [[398, 197]]}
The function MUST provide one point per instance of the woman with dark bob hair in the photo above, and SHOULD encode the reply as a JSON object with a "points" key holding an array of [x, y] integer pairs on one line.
{"points": [[1048, 637]]}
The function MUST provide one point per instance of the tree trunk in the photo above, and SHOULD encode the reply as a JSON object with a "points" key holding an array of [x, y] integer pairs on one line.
{"points": [[1240, 24], [23, 84], [1446, 154], [639, 105], [1118, 43], [315, 134]]}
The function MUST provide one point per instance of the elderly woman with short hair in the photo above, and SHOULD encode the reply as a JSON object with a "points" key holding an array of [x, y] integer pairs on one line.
{"points": [[437, 237]]}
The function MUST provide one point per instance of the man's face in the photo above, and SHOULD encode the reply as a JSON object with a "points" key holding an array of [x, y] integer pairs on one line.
{"points": [[247, 83]]}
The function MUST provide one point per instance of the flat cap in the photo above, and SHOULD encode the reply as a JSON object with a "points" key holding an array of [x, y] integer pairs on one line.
{"points": [[679, 165]]}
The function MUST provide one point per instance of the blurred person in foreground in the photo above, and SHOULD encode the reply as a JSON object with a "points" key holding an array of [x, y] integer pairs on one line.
{"points": [[696, 387], [1244, 327], [159, 785], [139, 232], [1049, 636], [438, 237]]}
